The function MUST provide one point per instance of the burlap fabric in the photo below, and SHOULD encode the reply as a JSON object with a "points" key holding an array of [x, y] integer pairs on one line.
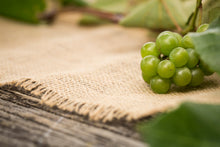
{"points": [[90, 71]]}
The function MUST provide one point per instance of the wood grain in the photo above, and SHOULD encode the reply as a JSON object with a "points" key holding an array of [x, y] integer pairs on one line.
{"points": [[25, 122]]}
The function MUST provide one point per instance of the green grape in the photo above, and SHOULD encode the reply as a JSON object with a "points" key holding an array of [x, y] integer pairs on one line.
{"points": [[160, 85], [187, 42], [149, 49], [193, 58], [179, 38], [149, 65], [166, 42], [166, 69], [179, 56], [182, 76], [146, 78], [205, 68], [202, 28], [197, 77], [166, 32]]}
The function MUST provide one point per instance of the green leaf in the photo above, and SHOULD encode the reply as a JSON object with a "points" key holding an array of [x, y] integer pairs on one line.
{"points": [[90, 20], [207, 44], [25, 10], [111, 6], [114, 6], [211, 10], [188, 6], [153, 14], [191, 125], [80, 3]]}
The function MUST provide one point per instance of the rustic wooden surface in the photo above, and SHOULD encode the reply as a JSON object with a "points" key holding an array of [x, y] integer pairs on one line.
{"points": [[25, 122]]}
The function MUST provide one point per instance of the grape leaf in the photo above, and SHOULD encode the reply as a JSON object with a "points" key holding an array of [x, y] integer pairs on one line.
{"points": [[211, 10], [90, 20], [153, 14], [25, 10], [191, 125], [114, 6], [188, 6], [111, 6], [80, 3], [207, 44]]}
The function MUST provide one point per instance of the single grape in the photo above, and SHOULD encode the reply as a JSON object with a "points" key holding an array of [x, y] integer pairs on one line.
{"points": [[205, 68], [197, 77], [193, 58], [166, 32], [146, 78], [182, 76], [179, 56], [160, 85], [179, 38], [149, 49], [166, 42], [202, 28], [187, 42], [149, 65], [166, 69]]}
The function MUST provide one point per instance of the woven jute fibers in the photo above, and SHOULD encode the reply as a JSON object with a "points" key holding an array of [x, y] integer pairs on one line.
{"points": [[90, 71]]}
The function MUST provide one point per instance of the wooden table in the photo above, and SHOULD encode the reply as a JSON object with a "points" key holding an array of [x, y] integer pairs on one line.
{"points": [[25, 122]]}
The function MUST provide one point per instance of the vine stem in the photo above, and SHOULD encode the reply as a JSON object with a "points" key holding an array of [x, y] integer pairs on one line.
{"points": [[192, 22], [179, 29], [50, 16]]}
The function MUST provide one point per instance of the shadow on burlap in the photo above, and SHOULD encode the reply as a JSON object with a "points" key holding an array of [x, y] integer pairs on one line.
{"points": [[90, 71]]}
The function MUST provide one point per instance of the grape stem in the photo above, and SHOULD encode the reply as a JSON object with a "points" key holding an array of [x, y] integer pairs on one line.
{"points": [[192, 21], [179, 29]]}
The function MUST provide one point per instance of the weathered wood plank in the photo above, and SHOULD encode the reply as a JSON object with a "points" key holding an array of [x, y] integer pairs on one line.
{"points": [[25, 122]]}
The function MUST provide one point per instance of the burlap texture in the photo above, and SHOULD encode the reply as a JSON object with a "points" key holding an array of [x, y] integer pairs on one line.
{"points": [[90, 71]]}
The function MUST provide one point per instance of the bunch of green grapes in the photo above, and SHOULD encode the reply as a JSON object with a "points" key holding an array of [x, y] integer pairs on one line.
{"points": [[172, 59]]}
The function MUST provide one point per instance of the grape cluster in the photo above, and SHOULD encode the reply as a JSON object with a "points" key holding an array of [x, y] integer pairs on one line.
{"points": [[172, 59]]}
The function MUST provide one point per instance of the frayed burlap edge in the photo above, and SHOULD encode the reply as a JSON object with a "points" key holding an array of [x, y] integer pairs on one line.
{"points": [[52, 99], [95, 112]]}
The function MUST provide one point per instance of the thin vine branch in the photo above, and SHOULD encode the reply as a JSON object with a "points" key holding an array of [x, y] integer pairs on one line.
{"points": [[179, 29], [50, 16], [192, 22]]}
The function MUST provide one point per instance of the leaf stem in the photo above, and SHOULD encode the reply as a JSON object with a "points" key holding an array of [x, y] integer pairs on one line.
{"points": [[192, 23], [179, 29]]}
